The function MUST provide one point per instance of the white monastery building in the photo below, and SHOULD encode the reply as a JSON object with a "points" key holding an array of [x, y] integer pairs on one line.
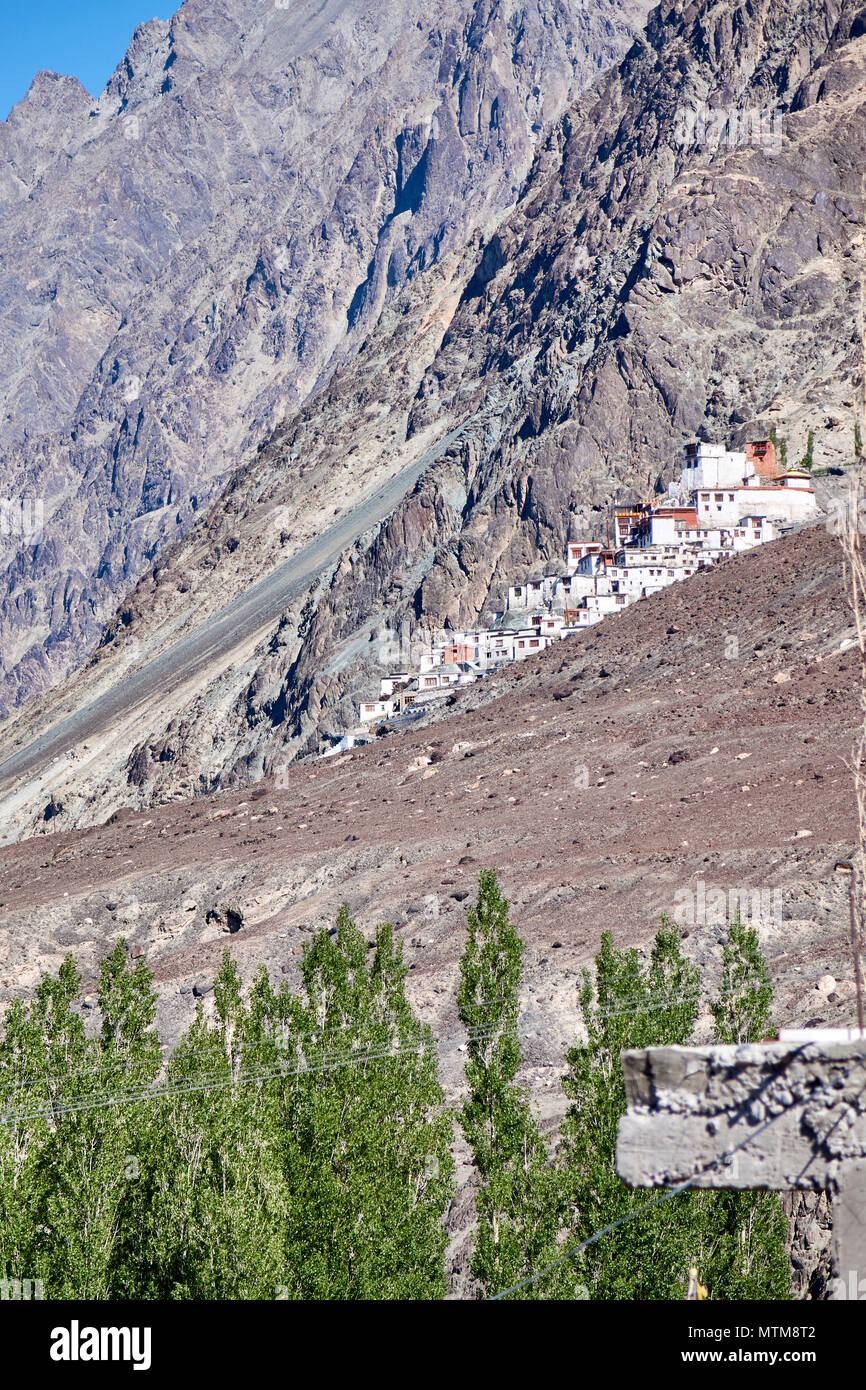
{"points": [[725, 501]]}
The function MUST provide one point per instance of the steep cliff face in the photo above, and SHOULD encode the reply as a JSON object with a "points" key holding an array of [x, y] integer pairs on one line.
{"points": [[183, 260], [659, 276]]}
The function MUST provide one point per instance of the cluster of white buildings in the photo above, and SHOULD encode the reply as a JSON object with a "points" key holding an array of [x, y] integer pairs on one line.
{"points": [[724, 502]]}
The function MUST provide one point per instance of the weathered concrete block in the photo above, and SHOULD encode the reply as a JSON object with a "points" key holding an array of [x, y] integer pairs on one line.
{"points": [[788, 1115]]}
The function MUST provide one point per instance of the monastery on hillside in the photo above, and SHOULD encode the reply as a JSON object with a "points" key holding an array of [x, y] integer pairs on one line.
{"points": [[725, 501]]}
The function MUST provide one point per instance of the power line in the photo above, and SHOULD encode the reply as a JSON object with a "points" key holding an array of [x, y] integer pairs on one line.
{"points": [[207, 1081], [657, 1002], [630, 1005]]}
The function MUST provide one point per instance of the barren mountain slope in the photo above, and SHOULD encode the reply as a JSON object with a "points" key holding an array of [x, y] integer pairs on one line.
{"points": [[644, 288], [606, 781], [184, 259]]}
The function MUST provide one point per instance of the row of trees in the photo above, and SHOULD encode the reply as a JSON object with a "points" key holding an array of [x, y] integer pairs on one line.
{"points": [[299, 1145], [294, 1146]]}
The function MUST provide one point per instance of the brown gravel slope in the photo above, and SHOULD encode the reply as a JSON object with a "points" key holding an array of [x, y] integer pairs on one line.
{"points": [[699, 736]]}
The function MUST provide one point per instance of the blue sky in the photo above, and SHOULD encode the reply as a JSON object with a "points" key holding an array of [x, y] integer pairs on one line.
{"points": [[85, 37]]}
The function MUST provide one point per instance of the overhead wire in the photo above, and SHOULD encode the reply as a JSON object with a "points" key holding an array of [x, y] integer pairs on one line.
{"points": [[632, 1004]]}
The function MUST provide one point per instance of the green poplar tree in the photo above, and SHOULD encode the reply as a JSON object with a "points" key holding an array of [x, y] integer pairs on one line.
{"points": [[75, 1128], [98, 1144], [742, 1013], [517, 1201], [367, 1139], [217, 1210], [42, 1045], [628, 1007], [751, 1228]]}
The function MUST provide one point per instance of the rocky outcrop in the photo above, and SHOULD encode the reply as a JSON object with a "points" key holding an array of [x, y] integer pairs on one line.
{"points": [[41, 128], [810, 1239], [183, 260]]}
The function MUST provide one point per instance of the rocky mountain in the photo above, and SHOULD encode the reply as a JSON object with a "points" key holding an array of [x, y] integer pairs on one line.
{"points": [[185, 259], [661, 274]]}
